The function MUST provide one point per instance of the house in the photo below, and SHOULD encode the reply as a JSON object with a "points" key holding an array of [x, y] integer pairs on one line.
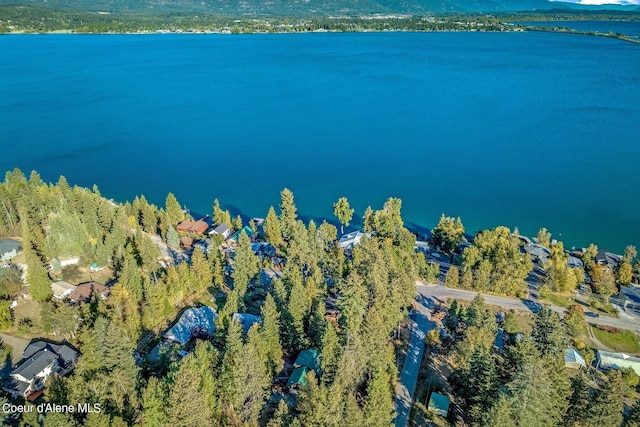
{"points": [[268, 275], [192, 227], [85, 291], [62, 289], [308, 358], [573, 359], [306, 362], [246, 320], [9, 248], [246, 230], [193, 322], [439, 404], [606, 360], [539, 254], [349, 240], [422, 246], [574, 262], [222, 230], [609, 259], [298, 377], [40, 360]]}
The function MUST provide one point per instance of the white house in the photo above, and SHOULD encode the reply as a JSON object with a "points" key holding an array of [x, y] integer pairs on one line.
{"points": [[349, 240], [223, 230], [9, 248]]}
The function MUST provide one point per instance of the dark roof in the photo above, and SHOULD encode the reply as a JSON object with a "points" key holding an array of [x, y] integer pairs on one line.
{"points": [[7, 245], [36, 364], [308, 358], [298, 377], [85, 291], [67, 354]]}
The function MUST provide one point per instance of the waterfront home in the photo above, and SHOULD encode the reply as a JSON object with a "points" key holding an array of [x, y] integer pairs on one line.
{"points": [[349, 240], [222, 230], [62, 289], [539, 254], [85, 291], [40, 360], [608, 259], [9, 248], [192, 227]]}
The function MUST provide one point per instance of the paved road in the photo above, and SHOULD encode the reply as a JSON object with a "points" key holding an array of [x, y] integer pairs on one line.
{"points": [[442, 293], [420, 324], [17, 344]]}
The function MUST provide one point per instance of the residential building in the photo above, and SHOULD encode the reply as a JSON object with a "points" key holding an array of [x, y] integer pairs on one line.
{"points": [[9, 248], [62, 289], [349, 240], [193, 227], [222, 230], [606, 360], [40, 360], [85, 291], [193, 322]]}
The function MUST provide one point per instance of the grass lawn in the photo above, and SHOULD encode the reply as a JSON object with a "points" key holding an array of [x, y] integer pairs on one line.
{"points": [[624, 341], [559, 300]]}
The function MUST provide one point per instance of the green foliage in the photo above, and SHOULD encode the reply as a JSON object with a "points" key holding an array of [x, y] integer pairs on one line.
{"points": [[172, 237], [175, 214], [343, 211], [186, 403], [270, 331], [271, 227], [560, 277], [448, 234], [544, 237], [498, 264], [575, 320], [602, 281], [452, 279], [220, 216], [6, 317], [588, 256], [549, 333], [288, 212], [607, 403]]}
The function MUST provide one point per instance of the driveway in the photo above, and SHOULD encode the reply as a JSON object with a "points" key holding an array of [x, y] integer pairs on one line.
{"points": [[420, 325], [17, 345]]}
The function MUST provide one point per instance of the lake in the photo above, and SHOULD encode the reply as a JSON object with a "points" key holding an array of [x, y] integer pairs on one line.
{"points": [[519, 129], [628, 28]]}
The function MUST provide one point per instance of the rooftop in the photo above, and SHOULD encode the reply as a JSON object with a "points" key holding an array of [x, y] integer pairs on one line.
{"points": [[7, 245]]}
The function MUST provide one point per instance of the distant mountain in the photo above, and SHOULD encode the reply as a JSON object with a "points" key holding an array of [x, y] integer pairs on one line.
{"points": [[310, 7]]}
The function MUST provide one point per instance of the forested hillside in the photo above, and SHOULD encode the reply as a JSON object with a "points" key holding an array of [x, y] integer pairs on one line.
{"points": [[233, 378]]}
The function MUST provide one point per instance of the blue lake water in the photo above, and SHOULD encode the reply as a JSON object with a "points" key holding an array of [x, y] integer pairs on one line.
{"points": [[520, 129]]}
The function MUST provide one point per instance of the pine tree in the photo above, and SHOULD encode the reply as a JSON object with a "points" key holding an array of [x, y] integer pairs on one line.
{"points": [[578, 402], [172, 237], [281, 417], [201, 270], [378, 408], [246, 266], [231, 375], [288, 213], [271, 334], [271, 227], [343, 211], [549, 333], [175, 214], [187, 405], [154, 405], [330, 354], [608, 402]]}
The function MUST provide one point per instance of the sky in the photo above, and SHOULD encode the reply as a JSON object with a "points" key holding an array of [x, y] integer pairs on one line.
{"points": [[592, 2]]}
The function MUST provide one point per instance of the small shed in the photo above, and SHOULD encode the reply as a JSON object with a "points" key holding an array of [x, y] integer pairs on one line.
{"points": [[439, 404], [186, 242], [573, 359]]}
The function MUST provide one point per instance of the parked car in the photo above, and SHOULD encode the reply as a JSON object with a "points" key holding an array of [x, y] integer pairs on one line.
{"points": [[592, 314]]}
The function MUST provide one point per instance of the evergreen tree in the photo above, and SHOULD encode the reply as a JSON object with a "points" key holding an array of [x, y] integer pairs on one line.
{"points": [[281, 417], [288, 212], [154, 403], [343, 211], [172, 237], [549, 333], [378, 408], [231, 375], [530, 391], [578, 402], [220, 216], [608, 402], [330, 354], [246, 266], [543, 237], [452, 279], [187, 403], [175, 214], [271, 335], [201, 270], [271, 227]]}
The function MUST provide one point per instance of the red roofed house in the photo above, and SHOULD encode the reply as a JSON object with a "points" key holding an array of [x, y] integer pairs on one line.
{"points": [[190, 226]]}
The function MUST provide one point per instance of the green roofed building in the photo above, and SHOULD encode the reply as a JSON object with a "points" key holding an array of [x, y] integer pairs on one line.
{"points": [[246, 230], [308, 358], [439, 404], [298, 377]]}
